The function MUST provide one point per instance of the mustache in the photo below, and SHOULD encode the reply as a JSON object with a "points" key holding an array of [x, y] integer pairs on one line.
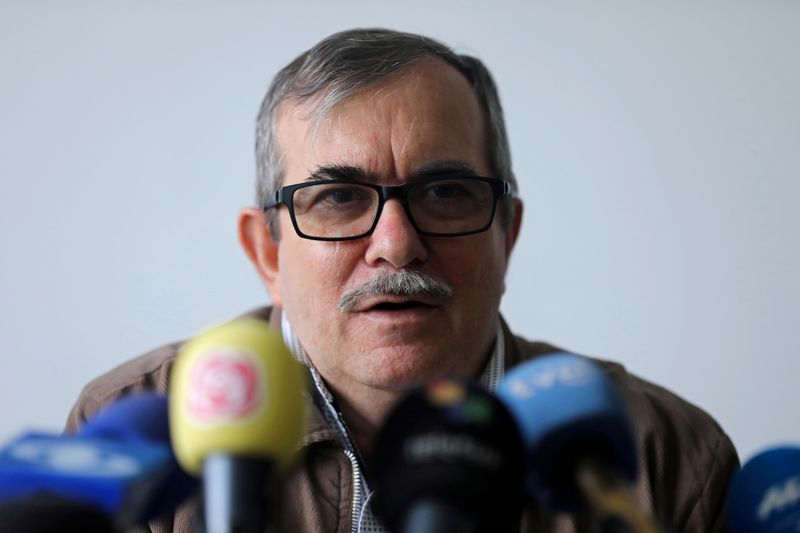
{"points": [[398, 283]]}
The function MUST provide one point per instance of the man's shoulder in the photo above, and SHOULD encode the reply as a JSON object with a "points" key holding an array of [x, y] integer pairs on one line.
{"points": [[149, 371], [146, 372], [651, 405], [656, 409], [686, 459]]}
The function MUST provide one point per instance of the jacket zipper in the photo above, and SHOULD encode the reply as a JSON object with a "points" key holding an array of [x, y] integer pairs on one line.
{"points": [[356, 508], [324, 401]]}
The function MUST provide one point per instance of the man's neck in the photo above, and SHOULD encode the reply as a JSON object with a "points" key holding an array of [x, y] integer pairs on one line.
{"points": [[364, 413]]}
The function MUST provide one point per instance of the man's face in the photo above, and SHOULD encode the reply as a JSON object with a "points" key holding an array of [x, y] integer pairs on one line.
{"points": [[423, 121]]}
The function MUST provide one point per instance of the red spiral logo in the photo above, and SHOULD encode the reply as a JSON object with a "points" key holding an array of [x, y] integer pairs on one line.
{"points": [[224, 387]]}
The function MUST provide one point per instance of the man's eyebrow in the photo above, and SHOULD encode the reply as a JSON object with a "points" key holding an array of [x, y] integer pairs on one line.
{"points": [[445, 168], [432, 169], [337, 172]]}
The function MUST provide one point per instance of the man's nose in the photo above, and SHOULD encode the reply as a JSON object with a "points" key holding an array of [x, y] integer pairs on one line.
{"points": [[394, 239]]}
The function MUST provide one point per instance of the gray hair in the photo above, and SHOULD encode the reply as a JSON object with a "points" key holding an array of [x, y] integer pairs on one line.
{"points": [[409, 283], [343, 64]]}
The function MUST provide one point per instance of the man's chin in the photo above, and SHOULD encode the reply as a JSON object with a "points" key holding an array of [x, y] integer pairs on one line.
{"points": [[401, 370]]}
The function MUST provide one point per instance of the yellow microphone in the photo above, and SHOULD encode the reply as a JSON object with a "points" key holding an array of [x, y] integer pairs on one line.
{"points": [[237, 414]]}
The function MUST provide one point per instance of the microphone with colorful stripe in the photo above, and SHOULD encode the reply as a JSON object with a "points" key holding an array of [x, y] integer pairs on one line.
{"points": [[448, 458]]}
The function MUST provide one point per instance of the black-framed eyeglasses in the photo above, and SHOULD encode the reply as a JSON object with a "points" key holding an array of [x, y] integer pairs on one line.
{"points": [[341, 209]]}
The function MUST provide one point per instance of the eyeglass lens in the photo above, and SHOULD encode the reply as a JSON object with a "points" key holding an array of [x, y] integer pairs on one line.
{"points": [[340, 210]]}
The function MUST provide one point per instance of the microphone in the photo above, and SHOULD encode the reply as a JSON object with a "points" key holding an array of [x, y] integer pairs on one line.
{"points": [[237, 414], [580, 447], [120, 463], [45, 513], [764, 496], [144, 416], [448, 458]]}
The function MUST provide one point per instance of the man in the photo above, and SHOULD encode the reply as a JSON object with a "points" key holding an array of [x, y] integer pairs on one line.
{"points": [[387, 215]]}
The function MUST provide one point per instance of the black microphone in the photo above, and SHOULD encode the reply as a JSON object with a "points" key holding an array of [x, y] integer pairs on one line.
{"points": [[449, 458], [581, 453], [47, 513]]}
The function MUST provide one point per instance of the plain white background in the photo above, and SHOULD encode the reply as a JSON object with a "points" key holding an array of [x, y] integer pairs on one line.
{"points": [[657, 145]]}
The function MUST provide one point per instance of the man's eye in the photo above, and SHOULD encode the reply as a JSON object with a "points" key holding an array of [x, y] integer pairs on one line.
{"points": [[446, 191], [340, 196], [336, 197]]}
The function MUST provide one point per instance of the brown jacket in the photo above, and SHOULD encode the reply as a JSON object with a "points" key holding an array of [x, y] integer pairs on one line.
{"points": [[686, 460]]}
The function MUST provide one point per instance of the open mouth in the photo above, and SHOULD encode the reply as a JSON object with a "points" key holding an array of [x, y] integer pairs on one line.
{"points": [[398, 306]]}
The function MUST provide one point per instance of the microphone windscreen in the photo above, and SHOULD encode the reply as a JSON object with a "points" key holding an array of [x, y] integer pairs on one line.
{"points": [[45, 513], [142, 415], [453, 445], [120, 461], [764, 496], [567, 410], [236, 390], [110, 475]]}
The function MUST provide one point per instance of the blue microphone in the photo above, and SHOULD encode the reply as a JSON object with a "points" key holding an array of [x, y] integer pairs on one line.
{"points": [[580, 448], [764, 496], [120, 463], [139, 416], [145, 416]]}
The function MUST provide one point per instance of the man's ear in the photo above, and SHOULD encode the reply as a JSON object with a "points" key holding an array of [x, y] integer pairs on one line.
{"points": [[261, 248], [512, 232]]}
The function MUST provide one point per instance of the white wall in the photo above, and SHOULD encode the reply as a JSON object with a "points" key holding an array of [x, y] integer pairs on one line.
{"points": [[657, 145]]}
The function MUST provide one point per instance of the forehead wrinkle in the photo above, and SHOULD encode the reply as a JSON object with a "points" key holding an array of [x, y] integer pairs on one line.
{"points": [[408, 135], [382, 91]]}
